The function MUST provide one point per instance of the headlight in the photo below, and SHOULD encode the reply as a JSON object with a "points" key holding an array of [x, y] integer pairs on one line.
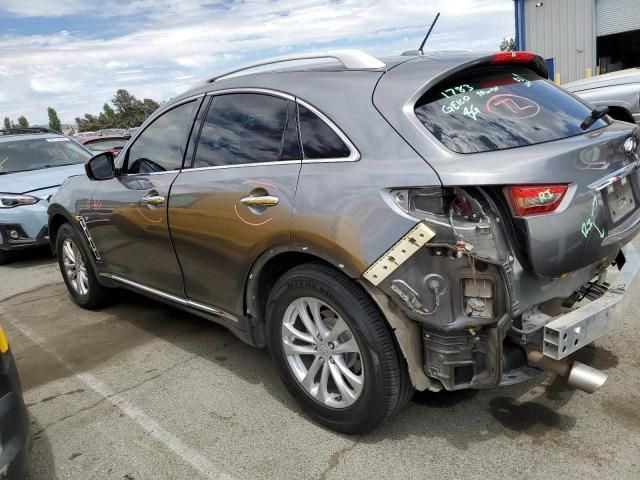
{"points": [[10, 200]]}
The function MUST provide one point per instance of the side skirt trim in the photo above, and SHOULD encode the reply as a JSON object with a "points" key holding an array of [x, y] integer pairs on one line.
{"points": [[173, 298]]}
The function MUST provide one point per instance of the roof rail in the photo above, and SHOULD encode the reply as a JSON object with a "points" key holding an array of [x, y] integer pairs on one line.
{"points": [[350, 59], [25, 130]]}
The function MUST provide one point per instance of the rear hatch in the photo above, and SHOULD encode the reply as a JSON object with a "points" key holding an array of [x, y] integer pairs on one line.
{"points": [[499, 124]]}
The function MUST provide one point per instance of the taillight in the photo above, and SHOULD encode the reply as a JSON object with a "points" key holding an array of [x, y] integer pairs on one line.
{"points": [[513, 57], [536, 199]]}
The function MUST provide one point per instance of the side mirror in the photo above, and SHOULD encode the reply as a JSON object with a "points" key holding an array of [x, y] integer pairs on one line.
{"points": [[101, 166]]}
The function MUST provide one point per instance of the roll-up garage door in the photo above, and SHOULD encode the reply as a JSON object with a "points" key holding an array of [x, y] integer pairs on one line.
{"points": [[615, 16]]}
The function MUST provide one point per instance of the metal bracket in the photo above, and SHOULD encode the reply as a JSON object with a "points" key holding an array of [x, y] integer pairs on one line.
{"points": [[417, 237]]}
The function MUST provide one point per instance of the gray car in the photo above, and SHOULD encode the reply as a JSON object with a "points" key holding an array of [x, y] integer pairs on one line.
{"points": [[421, 222], [620, 91]]}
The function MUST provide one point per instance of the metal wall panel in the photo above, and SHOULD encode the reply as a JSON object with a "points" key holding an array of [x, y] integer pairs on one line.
{"points": [[616, 16], [563, 30]]}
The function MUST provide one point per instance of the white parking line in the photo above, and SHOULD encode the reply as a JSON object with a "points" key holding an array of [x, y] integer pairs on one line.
{"points": [[148, 424]]}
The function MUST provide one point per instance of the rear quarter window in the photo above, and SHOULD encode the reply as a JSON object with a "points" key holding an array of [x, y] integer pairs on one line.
{"points": [[500, 108]]}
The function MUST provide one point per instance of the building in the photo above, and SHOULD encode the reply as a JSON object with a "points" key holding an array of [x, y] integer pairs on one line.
{"points": [[580, 38]]}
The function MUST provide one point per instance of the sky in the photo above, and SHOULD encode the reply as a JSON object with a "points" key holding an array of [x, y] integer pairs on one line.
{"points": [[73, 55]]}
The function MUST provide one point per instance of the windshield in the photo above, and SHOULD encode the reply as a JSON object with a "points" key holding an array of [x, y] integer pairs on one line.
{"points": [[20, 155], [107, 144], [500, 108]]}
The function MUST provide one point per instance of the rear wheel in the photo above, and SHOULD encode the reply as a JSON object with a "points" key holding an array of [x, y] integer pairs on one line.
{"points": [[334, 351], [77, 271]]}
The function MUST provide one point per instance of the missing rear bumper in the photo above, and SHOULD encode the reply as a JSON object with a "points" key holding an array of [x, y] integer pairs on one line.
{"points": [[570, 332]]}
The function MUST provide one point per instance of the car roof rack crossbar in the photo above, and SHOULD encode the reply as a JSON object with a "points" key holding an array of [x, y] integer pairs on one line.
{"points": [[25, 130], [350, 59]]}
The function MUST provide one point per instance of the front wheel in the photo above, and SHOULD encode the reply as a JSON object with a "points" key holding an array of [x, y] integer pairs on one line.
{"points": [[77, 271], [334, 351], [5, 257]]}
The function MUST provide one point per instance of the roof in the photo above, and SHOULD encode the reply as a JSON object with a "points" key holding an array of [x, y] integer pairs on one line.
{"points": [[12, 137], [621, 77]]}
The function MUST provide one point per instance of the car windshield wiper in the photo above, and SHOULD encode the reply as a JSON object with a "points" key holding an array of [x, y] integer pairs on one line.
{"points": [[60, 165], [596, 114]]}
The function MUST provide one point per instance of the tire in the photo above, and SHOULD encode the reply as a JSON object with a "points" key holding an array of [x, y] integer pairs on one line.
{"points": [[5, 257], [380, 385], [84, 288]]}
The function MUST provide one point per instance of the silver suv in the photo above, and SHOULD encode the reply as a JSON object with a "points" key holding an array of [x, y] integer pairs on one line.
{"points": [[419, 222]]}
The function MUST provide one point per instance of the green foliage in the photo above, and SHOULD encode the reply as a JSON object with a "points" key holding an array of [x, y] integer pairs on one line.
{"points": [[23, 122], [508, 45], [54, 121], [127, 112], [7, 123]]}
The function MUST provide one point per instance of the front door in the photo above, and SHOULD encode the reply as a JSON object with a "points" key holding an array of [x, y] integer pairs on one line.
{"points": [[236, 201], [128, 222]]}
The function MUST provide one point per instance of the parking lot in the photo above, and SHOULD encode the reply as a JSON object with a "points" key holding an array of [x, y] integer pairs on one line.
{"points": [[140, 390]]}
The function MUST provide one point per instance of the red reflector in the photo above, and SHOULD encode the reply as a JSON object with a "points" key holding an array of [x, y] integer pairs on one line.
{"points": [[536, 199], [513, 57]]}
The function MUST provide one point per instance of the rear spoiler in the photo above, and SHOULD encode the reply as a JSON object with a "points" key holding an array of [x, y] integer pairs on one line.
{"points": [[523, 59]]}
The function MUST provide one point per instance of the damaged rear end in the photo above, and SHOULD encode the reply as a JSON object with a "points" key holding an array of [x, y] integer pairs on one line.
{"points": [[520, 257]]}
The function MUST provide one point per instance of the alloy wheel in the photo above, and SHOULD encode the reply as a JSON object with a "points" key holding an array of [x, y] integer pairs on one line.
{"points": [[74, 267], [322, 352]]}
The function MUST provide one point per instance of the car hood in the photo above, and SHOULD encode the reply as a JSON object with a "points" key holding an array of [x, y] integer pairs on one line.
{"points": [[34, 180], [622, 77]]}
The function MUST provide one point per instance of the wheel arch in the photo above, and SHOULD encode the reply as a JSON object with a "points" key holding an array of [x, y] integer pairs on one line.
{"points": [[57, 217], [273, 263], [266, 270]]}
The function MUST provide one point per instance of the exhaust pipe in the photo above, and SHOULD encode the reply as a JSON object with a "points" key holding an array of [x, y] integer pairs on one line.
{"points": [[579, 375]]}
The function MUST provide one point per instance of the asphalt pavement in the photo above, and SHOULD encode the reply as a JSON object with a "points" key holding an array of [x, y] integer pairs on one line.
{"points": [[139, 390]]}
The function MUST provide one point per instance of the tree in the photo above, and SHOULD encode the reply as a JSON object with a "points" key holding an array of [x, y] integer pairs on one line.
{"points": [[7, 123], [508, 45], [54, 121], [23, 122], [89, 123], [107, 117], [126, 108], [127, 112]]}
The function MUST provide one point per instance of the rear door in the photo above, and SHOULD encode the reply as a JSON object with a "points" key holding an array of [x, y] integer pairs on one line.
{"points": [[236, 200], [500, 126], [128, 217]]}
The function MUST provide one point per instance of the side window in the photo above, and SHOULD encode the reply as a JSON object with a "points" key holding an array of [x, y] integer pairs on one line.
{"points": [[318, 139], [248, 128], [162, 145]]}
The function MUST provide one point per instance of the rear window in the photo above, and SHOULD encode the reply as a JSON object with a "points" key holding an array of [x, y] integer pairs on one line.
{"points": [[496, 109], [21, 155]]}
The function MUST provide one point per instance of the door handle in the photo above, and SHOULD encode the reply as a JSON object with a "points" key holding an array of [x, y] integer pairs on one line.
{"points": [[262, 201], [153, 199]]}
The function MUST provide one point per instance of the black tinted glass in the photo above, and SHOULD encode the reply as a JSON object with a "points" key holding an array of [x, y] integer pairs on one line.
{"points": [[162, 145], [495, 109], [248, 128], [318, 139]]}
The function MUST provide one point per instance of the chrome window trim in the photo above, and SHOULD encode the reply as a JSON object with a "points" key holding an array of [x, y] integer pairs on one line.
{"points": [[263, 91], [354, 155], [256, 164], [164, 172], [182, 301], [161, 111]]}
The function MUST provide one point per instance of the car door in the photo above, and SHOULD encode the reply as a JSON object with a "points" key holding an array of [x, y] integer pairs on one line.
{"points": [[129, 218], [236, 200]]}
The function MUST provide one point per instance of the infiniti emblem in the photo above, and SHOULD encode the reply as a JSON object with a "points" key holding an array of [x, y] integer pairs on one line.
{"points": [[630, 146]]}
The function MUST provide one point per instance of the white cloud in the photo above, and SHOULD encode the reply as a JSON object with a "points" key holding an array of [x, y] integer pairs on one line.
{"points": [[76, 72]]}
